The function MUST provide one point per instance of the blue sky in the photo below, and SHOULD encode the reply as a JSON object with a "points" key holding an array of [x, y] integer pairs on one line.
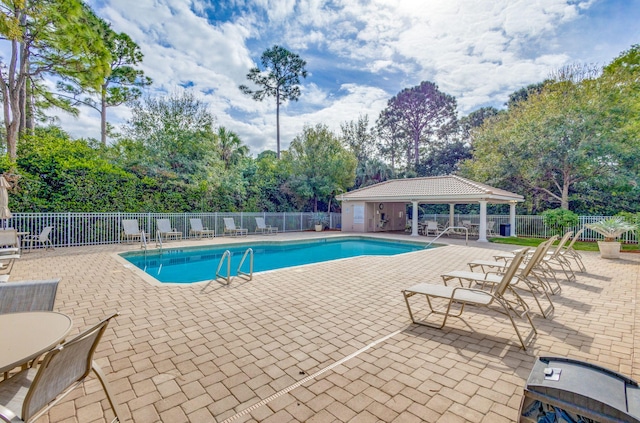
{"points": [[359, 53]]}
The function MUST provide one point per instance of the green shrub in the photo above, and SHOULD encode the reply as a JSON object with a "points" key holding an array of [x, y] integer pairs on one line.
{"points": [[560, 220]]}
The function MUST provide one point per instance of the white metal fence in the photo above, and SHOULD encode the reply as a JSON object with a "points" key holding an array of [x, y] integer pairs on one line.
{"points": [[75, 229], [531, 226]]}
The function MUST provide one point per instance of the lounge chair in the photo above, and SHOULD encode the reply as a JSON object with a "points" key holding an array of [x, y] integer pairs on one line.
{"points": [[42, 238], [230, 227], [9, 252], [30, 393], [570, 253], [131, 231], [461, 297], [264, 228], [552, 257], [526, 275], [199, 230], [166, 231], [28, 296]]}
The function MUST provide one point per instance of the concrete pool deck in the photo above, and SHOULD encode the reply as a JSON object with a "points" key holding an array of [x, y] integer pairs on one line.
{"points": [[324, 342]]}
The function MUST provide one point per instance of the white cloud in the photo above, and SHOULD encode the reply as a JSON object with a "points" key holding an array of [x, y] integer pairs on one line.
{"points": [[478, 51]]}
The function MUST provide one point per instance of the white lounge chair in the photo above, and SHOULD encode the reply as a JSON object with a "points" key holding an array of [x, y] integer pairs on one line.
{"points": [[264, 228], [230, 227], [460, 296], [199, 230], [131, 231], [166, 231], [9, 252], [42, 238]]}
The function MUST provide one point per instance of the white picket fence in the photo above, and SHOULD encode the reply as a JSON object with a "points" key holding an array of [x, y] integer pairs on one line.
{"points": [[76, 229]]}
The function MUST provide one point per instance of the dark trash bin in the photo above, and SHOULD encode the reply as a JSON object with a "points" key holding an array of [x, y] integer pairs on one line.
{"points": [[505, 229], [563, 389]]}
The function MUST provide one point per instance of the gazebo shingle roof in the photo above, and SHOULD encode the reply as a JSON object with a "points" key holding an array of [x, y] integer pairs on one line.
{"points": [[435, 189]]}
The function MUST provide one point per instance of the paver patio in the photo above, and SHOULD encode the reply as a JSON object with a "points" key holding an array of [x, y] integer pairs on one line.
{"points": [[325, 342]]}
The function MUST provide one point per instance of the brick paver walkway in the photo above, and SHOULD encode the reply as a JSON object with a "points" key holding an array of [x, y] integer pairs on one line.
{"points": [[323, 343]]}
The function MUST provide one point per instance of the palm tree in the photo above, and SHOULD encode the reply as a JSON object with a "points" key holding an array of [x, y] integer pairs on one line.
{"points": [[230, 147]]}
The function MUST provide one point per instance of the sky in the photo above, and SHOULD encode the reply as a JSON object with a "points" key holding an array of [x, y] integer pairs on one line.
{"points": [[359, 53]]}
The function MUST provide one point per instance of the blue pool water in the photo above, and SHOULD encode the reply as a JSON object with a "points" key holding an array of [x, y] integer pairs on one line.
{"points": [[187, 265]]}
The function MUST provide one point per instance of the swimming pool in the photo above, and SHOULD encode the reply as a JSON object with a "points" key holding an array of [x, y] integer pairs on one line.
{"points": [[195, 264]]}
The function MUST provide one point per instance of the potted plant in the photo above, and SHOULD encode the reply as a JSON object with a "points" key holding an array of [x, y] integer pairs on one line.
{"points": [[610, 229], [320, 221]]}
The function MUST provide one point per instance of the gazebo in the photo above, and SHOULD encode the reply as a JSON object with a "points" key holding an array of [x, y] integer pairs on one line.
{"points": [[382, 207]]}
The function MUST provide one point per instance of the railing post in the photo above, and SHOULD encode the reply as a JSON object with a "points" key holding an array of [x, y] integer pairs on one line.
{"points": [[69, 229]]}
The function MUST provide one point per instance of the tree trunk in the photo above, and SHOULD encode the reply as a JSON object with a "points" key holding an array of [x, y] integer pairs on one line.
{"points": [[416, 151], [278, 123], [564, 202], [103, 116]]}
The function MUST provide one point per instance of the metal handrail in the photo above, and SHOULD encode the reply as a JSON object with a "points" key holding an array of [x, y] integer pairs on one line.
{"points": [[143, 240], [247, 276], [158, 239], [466, 237], [226, 280]]}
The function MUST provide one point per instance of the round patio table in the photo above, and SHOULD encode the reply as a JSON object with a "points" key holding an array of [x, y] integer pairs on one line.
{"points": [[26, 336]]}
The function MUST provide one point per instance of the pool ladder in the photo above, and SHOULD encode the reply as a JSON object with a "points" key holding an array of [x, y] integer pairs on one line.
{"points": [[226, 280]]}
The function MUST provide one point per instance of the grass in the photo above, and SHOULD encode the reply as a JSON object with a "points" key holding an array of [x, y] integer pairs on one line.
{"points": [[579, 245]]}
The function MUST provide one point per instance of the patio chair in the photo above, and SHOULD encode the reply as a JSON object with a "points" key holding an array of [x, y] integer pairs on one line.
{"points": [[432, 228], [42, 238], [526, 275], [30, 393], [199, 230], [131, 231], [490, 228], [166, 231], [22, 296], [264, 228], [461, 297], [230, 227]]}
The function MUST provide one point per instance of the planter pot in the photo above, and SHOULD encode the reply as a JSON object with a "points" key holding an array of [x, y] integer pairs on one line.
{"points": [[318, 228], [609, 250]]}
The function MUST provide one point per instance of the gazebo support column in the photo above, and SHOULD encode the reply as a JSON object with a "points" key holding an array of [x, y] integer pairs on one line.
{"points": [[482, 230], [452, 215], [414, 219], [512, 217]]}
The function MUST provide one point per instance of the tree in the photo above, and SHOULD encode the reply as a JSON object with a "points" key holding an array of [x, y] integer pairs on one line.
{"points": [[230, 147], [321, 166], [45, 37], [121, 85], [523, 93], [357, 137], [555, 140], [424, 113], [391, 139], [279, 78], [177, 134]]}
